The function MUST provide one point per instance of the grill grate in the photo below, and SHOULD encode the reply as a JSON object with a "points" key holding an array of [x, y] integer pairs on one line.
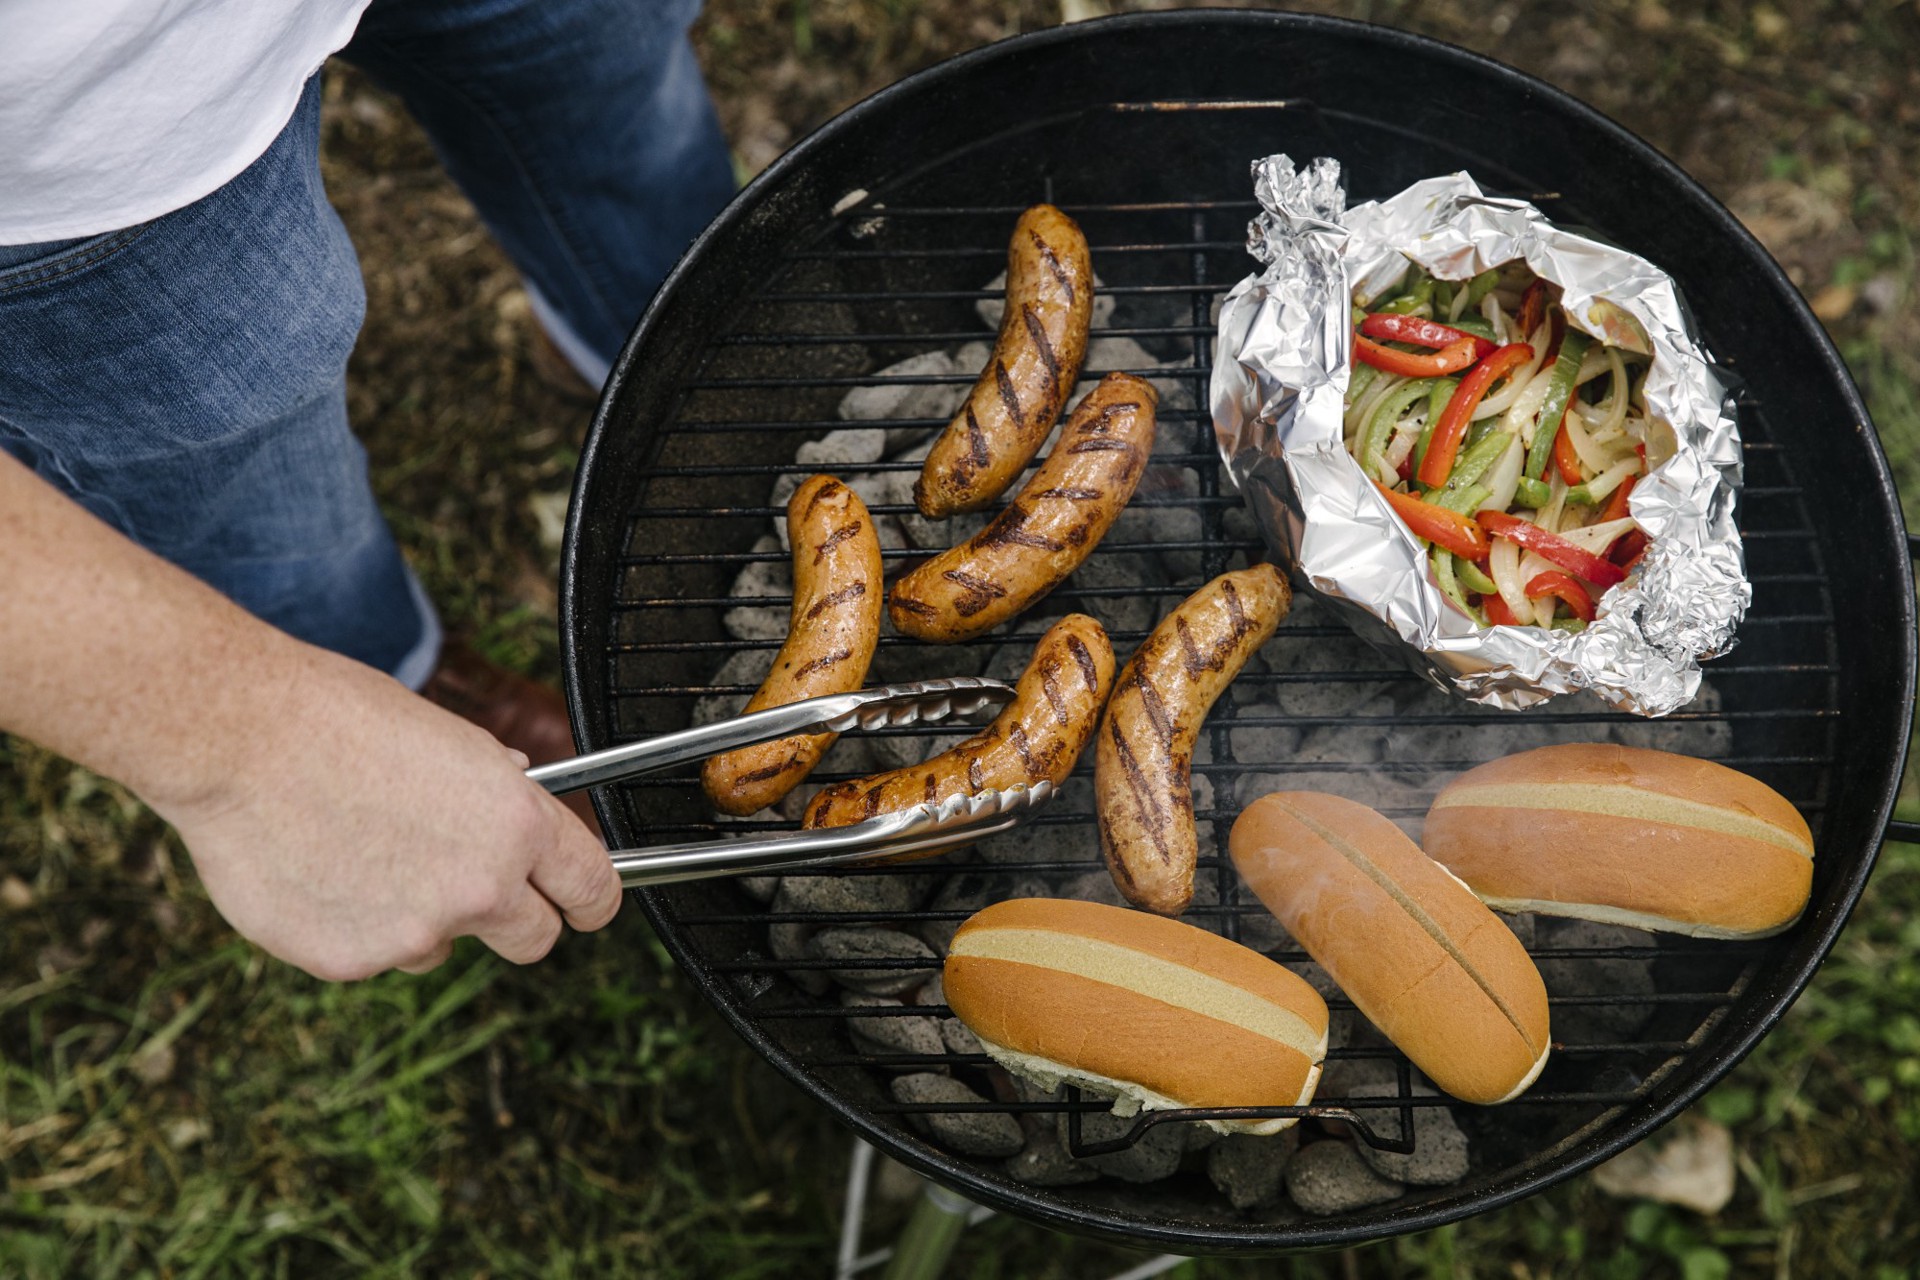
{"points": [[900, 276]]}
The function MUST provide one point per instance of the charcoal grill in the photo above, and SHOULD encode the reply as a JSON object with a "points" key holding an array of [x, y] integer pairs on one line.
{"points": [[874, 239]]}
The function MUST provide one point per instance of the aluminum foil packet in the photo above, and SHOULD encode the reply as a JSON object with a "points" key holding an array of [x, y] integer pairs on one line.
{"points": [[1279, 376]]}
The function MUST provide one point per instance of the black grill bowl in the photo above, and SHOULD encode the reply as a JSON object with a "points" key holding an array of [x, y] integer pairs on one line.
{"points": [[1142, 127]]}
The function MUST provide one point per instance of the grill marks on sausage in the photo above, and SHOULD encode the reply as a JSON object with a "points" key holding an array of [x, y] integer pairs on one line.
{"points": [[837, 537], [1009, 397], [1009, 530], [822, 663], [1043, 348], [976, 592], [1216, 657], [1083, 658], [832, 489], [773, 770], [1100, 444], [1153, 819], [1055, 268], [977, 453], [1050, 690], [852, 591], [1038, 762]]}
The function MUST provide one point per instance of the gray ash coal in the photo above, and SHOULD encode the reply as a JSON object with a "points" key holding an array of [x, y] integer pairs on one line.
{"points": [[1313, 711]]}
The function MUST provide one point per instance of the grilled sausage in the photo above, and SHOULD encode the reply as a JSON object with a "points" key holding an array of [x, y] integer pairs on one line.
{"points": [[1055, 523], [1143, 764], [1036, 361], [1040, 734], [830, 640]]}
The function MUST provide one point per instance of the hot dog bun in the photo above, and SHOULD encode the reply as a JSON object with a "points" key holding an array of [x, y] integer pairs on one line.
{"points": [[1150, 1011], [1417, 952], [1627, 836]]}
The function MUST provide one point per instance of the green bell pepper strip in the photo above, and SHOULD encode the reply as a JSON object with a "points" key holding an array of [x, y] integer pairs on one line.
{"points": [[1475, 460], [1443, 389], [1442, 297], [1573, 349], [1480, 286], [1472, 579], [1416, 291], [1357, 384], [1474, 325], [1450, 587], [1533, 493], [1379, 428], [1574, 625], [1464, 501]]}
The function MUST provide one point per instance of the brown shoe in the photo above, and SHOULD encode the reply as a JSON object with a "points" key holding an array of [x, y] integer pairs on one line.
{"points": [[556, 372], [524, 714]]}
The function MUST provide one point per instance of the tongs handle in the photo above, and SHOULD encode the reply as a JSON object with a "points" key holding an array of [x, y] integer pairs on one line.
{"points": [[922, 830], [894, 704]]}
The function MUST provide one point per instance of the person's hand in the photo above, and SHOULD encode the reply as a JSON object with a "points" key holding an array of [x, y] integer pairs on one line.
{"points": [[362, 829]]}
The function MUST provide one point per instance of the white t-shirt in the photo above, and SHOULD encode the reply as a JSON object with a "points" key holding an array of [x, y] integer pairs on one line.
{"points": [[113, 112]]}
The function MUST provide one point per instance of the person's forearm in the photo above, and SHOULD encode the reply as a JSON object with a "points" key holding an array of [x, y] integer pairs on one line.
{"points": [[117, 659], [337, 819]]}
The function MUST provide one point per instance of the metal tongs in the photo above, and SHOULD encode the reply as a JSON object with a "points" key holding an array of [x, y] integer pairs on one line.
{"points": [[924, 829]]}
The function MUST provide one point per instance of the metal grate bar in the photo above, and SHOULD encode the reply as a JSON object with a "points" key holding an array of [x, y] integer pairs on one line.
{"points": [[999, 251]]}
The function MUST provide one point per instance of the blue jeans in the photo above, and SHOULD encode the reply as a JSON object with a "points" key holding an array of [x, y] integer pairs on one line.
{"points": [[185, 379]]}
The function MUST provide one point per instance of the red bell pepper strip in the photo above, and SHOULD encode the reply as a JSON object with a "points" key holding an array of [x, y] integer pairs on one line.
{"points": [[1445, 446], [1449, 359], [1498, 613], [1444, 528], [1533, 307], [1616, 508], [1565, 587], [1422, 333], [1628, 549], [1576, 560], [1566, 459]]}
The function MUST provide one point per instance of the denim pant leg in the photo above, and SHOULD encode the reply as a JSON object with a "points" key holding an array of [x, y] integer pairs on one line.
{"points": [[185, 380], [582, 131]]}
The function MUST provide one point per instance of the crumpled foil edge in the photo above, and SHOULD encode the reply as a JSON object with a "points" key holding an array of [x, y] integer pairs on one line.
{"points": [[1279, 375]]}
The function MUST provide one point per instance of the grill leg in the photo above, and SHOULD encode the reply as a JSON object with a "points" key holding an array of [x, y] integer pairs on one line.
{"points": [[930, 1236]]}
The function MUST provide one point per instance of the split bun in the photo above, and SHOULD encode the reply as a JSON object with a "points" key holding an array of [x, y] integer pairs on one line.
{"points": [[1150, 1011], [1627, 836], [1419, 955]]}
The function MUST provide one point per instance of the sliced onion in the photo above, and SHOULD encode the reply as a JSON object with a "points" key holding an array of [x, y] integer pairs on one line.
{"points": [[1522, 377], [1503, 562], [1596, 538], [1406, 434], [1503, 477], [1592, 457], [1524, 413], [1610, 479], [1532, 565]]}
